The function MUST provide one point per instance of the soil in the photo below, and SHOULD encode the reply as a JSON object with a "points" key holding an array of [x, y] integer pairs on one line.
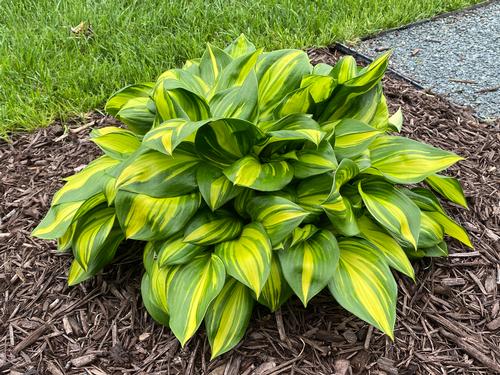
{"points": [[448, 321]]}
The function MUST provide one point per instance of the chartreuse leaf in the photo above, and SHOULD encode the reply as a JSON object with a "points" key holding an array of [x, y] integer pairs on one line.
{"points": [[295, 127], [239, 47], [450, 227], [352, 137], [64, 242], [213, 61], [175, 251], [148, 218], [138, 114], [308, 265], [215, 188], [116, 142], [248, 257], [96, 233], [172, 103], [278, 215], [187, 79], [345, 69], [312, 192], [402, 160], [300, 234], [158, 175], [312, 160], [392, 209], [208, 228], [161, 278], [279, 73], [388, 246], [171, 133], [238, 71], [276, 289], [363, 284], [150, 303], [61, 217], [227, 317], [224, 141], [424, 199], [250, 172], [193, 287], [396, 120], [86, 183], [122, 96], [431, 232], [448, 187]]}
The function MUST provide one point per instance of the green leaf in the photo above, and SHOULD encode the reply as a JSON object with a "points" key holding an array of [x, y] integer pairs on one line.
{"points": [[392, 209], [209, 228], [173, 103], [363, 284], [116, 142], [388, 246], [352, 137], [278, 215], [396, 120], [308, 265], [238, 71], [248, 257], [149, 302], [404, 161], [215, 188], [239, 47], [345, 69], [148, 218], [431, 232], [294, 127], [250, 172], [193, 287], [138, 114], [276, 290], [158, 175], [175, 251], [122, 96], [228, 316], [312, 160], [448, 187], [451, 228], [213, 61]]}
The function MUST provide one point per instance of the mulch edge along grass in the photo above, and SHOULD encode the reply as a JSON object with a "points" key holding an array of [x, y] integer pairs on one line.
{"points": [[448, 321]]}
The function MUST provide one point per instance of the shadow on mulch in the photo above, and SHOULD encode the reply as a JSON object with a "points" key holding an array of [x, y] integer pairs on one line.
{"points": [[448, 321]]}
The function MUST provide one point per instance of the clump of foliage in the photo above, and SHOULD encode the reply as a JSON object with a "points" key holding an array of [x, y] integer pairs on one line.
{"points": [[251, 176]]}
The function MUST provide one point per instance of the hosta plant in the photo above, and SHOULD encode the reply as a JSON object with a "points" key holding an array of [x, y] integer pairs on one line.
{"points": [[252, 176]]}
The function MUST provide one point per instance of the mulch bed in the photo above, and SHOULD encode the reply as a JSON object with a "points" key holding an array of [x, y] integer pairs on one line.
{"points": [[448, 321]]}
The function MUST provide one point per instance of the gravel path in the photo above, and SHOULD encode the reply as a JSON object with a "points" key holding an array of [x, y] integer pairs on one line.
{"points": [[457, 56]]}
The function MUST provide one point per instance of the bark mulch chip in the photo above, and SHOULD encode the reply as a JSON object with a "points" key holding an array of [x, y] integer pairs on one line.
{"points": [[448, 320]]}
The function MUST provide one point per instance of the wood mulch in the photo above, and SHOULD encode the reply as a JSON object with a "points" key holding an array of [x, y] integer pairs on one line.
{"points": [[448, 321]]}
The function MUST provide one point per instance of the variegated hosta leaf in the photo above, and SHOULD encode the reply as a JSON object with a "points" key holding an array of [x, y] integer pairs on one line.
{"points": [[312, 160], [279, 73], [96, 238], [149, 256], [300, 234], [215, 188], [187, 79], [312, 192], [276, 289], [404, 161], [172, 103], [431, 232], [352, 137], [396, 121], [365, 80], [424, 199], [64, 242], [392, 209], [238, 71], [308, 265], [158, 175], [212, 63], [448, 187], [193, 287], [388, 246], [60, 217], [122, 96], [439, 250], [320, 87], [345, 69], [224, 141], [239, 47], [295, 127], [175, 251], [240, 203], [116, 142], [248, 257], [228, 316], [209, 228], [150, 303], [138, 114], [278, 215], [161, 279], [147, 218], [363, 284], [86, 183], [450, 227], [240, 102], [171, 133], [250, 172]]}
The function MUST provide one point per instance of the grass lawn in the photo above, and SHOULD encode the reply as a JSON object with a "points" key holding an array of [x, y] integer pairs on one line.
{"points": [[45, 73]]}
